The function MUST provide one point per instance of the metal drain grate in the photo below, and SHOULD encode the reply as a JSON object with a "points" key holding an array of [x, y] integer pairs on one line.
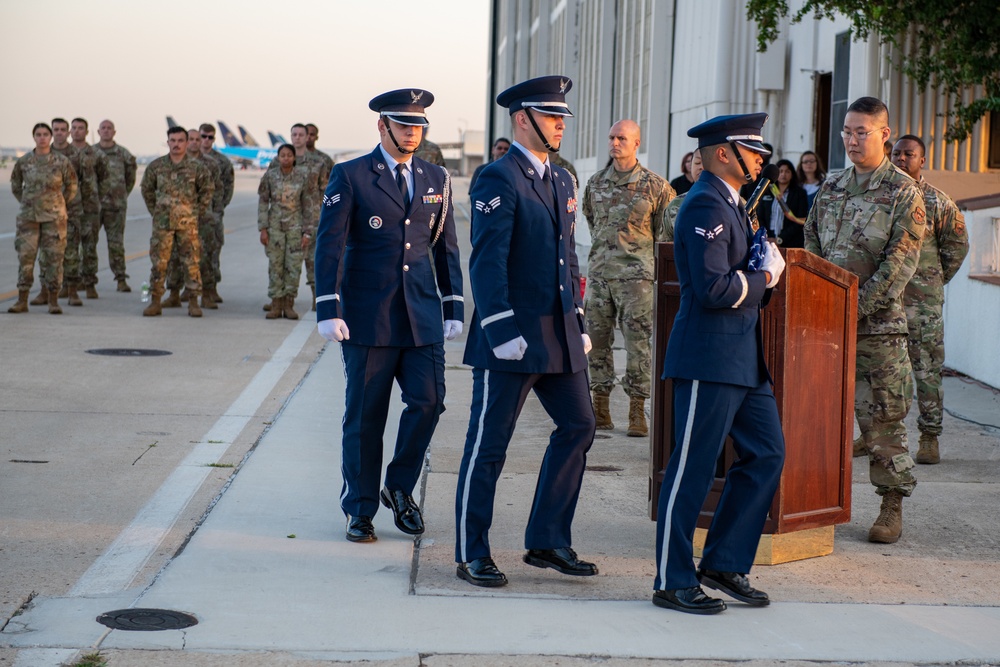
{"points": [[128, 352], [146, 619]]}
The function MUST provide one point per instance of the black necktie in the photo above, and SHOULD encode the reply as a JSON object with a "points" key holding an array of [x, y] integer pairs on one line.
{"points": [[401, 182], [550, 184]]}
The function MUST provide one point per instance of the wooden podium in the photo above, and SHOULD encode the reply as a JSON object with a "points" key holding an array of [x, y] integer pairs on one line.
{"points": [[809, 329]]}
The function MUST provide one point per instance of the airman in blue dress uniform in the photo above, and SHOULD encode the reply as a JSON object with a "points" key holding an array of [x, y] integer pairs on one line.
{"points": [[721, 383], [527, 333], [385, 248]]}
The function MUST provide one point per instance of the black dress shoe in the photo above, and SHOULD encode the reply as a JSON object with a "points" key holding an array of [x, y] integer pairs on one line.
{"points": [[562, 560], [481, 572], [735, 585], [360, 529], [689, 600], [405, 512]]}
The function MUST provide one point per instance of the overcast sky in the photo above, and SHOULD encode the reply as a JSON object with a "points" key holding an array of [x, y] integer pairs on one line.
{"points": [[260, 63]]}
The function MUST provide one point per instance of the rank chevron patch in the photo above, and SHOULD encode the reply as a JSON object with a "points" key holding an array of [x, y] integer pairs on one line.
{"points": [[709, 234], [487, 207], [330, 201]]}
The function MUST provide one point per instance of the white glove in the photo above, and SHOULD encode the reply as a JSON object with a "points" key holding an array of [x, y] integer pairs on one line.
{"points": [[512, 350], [452, 328], [773, 263], [587, 345], [334, 329]]}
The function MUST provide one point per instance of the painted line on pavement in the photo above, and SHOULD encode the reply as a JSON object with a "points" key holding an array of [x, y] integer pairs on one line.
{"points": [[128, 554]]}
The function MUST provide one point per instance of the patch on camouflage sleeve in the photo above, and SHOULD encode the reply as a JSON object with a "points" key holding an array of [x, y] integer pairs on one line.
{"points": [[919, 215]]}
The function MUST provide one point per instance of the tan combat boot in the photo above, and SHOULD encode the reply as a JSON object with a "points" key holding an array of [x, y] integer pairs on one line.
{"points": [[154, 307], [54, 308], [267, 308], [208, 302], [123, 286], [928, 452], [22, 303], [602, 412], [91, 291], [193, 309], [64, 292], [215, 295], [289, 308], [637, 418], [274, 312], [889, 524], [74, 298], [859, 446], [173, 300], [42, 298]]}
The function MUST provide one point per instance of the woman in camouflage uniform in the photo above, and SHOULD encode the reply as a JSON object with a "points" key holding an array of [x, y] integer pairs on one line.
{"points": [[42, 182], [284, 203]]}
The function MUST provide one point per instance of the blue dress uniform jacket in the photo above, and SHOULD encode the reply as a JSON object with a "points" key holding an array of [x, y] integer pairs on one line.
{"points": [[720, 299], [525, 282], [373, 269], [721, 388]]}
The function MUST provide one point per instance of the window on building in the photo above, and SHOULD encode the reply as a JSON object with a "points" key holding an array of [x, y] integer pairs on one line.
{"points": [[993, 157], [632, 61], [589, 82], [839, 103]]}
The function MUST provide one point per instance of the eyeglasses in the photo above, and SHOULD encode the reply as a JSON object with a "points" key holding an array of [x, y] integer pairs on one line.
{"points": [[208, 136], [809, 162], [859, 136]]}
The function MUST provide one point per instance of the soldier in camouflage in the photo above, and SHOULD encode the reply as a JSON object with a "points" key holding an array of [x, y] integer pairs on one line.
{"points": [[430, 151], [695, 167], [83, 165], [114, 198], [560, 161], [220, 200], [945, 245], [310, 253], [869, 219], [206, 237], [314, 165], [42, 182], [625, 205], [285, 204], [91, 224], [178, 193]]}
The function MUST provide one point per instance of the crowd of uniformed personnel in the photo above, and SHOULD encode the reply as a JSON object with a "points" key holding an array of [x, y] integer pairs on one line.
{"points": [[878, 218]]}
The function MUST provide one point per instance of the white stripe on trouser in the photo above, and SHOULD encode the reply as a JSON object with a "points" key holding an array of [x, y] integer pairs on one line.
{"points": [[343, 422], [685, 445], [462, 535]]}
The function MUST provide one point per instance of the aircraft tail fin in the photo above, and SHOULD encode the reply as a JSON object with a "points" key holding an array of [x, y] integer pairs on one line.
{"points": [[171, 122], [248, 139], [228, 136], [274, 138]]}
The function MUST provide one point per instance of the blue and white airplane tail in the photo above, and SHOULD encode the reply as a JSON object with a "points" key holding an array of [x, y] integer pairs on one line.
{"points": [[228, 137]]}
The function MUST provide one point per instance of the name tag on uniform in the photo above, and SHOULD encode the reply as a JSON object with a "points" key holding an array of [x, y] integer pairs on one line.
{"points": [[433, 199]]}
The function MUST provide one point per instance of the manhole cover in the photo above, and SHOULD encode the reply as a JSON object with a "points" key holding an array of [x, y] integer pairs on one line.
{"points": [[146, 619], [128, 352]]}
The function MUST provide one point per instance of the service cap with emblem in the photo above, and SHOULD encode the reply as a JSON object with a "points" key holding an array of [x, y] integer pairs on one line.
{"points": [[405, 106], [743, 129], [545, 94]]}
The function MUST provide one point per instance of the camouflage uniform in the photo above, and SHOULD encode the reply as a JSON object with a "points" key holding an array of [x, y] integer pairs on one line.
{"points": [[670, 218], [114, 203], [625, 212], [206, 237], [83, 166], [427, 150], [945, 245], [313, 162], [310, 252], [178, 196], [874, 230], [560, 161], [95, 168], [286, 201], [220, 200], [42, 184]]}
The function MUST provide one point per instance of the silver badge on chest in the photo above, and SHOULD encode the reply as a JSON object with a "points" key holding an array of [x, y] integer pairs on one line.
{"points": [[375, 222]]}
